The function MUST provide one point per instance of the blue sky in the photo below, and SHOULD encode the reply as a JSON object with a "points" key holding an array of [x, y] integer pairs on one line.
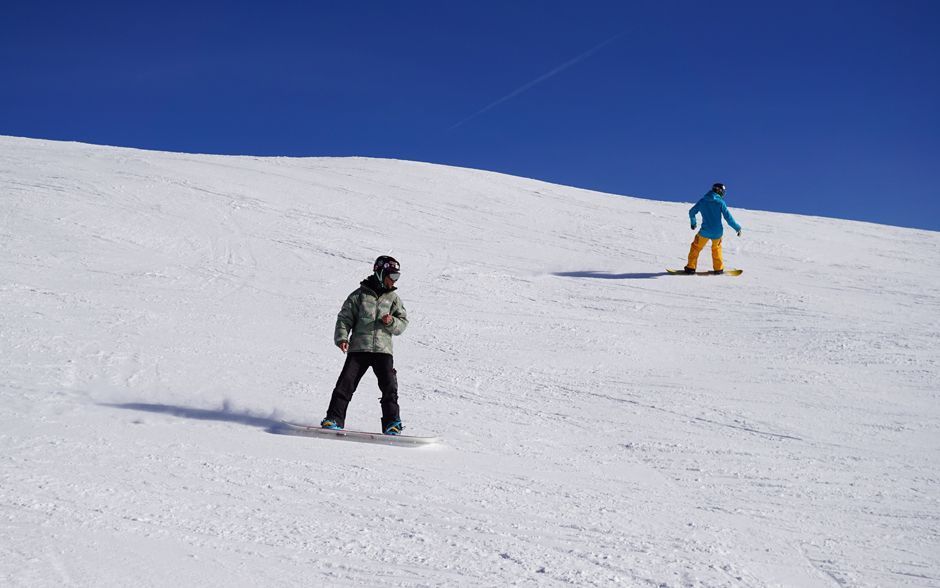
{"points": [[826, 107]]}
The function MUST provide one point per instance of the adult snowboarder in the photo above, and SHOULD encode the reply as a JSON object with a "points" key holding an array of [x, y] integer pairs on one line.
{"points": [[712, 207], [369, 318]]}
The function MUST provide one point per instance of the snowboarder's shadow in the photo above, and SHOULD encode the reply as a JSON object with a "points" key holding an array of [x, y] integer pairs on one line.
{"points": [[270, 425], [225, 415], [609, 276]]}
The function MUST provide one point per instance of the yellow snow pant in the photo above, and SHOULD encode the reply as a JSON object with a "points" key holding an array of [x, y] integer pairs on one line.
{"points": [[698, 244]]}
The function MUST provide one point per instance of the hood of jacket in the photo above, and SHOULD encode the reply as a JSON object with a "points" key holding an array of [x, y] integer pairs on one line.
{"points": [[373, 283]]}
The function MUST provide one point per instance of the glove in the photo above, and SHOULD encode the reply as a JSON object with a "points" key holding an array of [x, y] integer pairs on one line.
{"points": [[693, 227], [739, 232]]}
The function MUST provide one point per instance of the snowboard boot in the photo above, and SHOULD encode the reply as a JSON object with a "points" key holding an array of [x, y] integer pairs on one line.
{"points": [[329, 423], [393, 428], [717, 272], [688, 270]]}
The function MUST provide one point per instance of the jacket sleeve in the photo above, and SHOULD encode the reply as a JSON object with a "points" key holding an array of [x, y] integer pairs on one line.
{"points": [[692, 212], [398, 326], [727, 214], [346, 319]]}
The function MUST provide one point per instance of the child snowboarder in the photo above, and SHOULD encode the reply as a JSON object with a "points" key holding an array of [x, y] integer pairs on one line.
{"points": [[364, 329], [713, 207]]}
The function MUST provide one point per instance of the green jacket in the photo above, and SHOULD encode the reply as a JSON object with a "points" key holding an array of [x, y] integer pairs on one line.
{"points": [[360, 320]]}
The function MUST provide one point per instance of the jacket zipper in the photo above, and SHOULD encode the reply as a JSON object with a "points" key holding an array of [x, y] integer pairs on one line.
{"points": [[375, 331]]}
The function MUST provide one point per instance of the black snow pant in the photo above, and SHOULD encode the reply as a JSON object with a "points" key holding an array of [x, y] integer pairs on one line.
{"points": [[357, 363]]}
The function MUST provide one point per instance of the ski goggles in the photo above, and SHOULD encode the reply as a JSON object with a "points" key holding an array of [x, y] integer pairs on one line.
{"points": [[394, 276]]}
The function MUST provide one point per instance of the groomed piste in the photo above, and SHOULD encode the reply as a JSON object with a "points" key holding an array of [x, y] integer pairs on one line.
{"points": [[603, 422]]}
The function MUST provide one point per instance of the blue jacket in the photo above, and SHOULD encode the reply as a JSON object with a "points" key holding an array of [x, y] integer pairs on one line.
{"points": [[712, 208]]}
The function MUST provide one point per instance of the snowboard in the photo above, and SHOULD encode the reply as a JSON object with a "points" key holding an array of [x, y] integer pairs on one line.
{"points": [[360, 436], [728, 272]]}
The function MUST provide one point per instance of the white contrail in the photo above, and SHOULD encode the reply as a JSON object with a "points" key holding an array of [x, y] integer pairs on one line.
{"points": [[540, 79]]}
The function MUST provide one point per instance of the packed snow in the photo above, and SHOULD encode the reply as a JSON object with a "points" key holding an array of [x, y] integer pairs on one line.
{"points": [[603, 423]]}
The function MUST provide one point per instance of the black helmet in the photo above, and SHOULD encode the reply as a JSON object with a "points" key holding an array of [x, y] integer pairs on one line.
{"points": [[718, 188], [386, 265]]}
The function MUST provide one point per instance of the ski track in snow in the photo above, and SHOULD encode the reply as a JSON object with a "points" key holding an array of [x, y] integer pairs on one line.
{"points": [[604, 423]]}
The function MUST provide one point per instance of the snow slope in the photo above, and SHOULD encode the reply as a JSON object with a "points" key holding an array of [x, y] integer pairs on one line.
{"points": [[604, 423]]}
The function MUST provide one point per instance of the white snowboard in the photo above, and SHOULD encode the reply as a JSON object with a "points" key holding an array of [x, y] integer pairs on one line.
{"points": [[361, 436]]}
